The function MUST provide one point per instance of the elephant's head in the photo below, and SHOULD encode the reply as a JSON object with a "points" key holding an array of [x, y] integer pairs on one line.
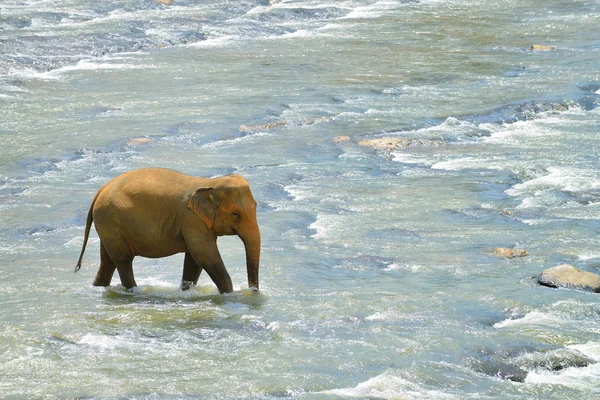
{"points": [[227, 207]]}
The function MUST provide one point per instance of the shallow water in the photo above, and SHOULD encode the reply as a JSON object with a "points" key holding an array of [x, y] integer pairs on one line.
{"points": [[376, 275]]}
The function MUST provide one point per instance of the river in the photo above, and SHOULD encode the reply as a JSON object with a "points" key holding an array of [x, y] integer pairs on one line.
{"points": [[378, 274]]}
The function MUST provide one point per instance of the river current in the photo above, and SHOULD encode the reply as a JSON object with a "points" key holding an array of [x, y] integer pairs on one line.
{"points": [[378, 274]]}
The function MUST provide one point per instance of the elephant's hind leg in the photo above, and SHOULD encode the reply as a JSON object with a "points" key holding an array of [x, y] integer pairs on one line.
{"points": [[125, 268], [122, 259], [191, 272], [106, 270]]}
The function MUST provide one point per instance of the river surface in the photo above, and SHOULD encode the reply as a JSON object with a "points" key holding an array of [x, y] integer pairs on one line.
{"points": [[377, 278]]}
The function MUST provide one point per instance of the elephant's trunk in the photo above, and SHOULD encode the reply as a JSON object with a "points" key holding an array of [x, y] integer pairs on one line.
{"points": [[252, 244]]}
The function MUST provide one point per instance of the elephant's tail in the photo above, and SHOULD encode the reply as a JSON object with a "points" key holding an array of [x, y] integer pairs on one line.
{"points": [[88, 226]]}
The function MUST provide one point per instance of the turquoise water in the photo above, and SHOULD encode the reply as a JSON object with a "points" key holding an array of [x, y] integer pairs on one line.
{"points": [[376, 276]]}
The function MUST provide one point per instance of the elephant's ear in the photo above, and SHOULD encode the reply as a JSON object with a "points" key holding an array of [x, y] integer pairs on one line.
{"points": [[202, 204]]}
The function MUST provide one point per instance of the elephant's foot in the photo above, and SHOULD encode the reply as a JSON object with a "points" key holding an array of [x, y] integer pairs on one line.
{"points": [[187, 285], [104, 276], [226, 288], [101, 283]]}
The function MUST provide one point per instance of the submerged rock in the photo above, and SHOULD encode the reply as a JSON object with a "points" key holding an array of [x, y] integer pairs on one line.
{"points": [[555, 360], [568, 276], [541, 47], [494, 364], [395, 143], [318, 120], [282, 122], [514, 363], [385, 143], [504, 252], [340, 139], [263, 127], [138, 141], [503, 370]]}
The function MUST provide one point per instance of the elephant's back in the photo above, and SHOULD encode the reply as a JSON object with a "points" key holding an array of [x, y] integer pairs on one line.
{"points": [[151, 182], [148, 188]]}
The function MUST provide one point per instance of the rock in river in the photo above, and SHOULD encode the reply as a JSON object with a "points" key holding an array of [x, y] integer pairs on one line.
{"points": [[398, 143], [141, 141], [541, 47], [504, 252], [568, 276]]}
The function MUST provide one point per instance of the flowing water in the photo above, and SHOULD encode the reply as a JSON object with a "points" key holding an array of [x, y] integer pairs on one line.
{"points": [[376, 277]]}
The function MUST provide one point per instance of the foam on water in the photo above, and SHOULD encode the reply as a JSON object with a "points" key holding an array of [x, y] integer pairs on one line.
{"points": [[378, 9], [532, 318], [330, 226], [582, 379], [153, 288], [590, 349], [519, 132], [560, 315], [412, 159], [390, 386], [469, 163], [589, 256], [574, 180], [83, 65], [216, 42], [237, 141]]}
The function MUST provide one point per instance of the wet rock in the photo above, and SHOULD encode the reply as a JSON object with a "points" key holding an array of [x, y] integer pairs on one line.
{"points": [[397, 143], [385, 143], [590, 87], [138, 141], [276, 124], [63, 339], [504, 252], [498, 369], [263, 127], [318, 120], [514, 363], [510, 373], [554, 360], [164, 2], [541, 47], [340, 139], [568, 276], [40, 230]]}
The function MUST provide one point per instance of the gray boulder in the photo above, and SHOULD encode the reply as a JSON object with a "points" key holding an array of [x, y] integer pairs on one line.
{"points": [[568, 276]]}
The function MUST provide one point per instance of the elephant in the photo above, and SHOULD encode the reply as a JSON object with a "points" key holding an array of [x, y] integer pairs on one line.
{"points": [[158, 212]]}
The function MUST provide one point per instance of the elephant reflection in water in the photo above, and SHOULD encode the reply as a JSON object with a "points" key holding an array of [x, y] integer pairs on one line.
{"points": [[158, 212]]}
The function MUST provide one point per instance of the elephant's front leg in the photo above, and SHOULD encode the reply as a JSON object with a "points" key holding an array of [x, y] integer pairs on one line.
{"points": [[207, 256], [191, 272], [220, 277]]}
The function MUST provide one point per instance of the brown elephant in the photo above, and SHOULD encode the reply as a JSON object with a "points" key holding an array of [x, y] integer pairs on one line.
{"points": [[158, 212]]}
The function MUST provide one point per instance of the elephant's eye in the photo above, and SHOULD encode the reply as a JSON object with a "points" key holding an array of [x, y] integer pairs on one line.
{"points": [[236, 214]]}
